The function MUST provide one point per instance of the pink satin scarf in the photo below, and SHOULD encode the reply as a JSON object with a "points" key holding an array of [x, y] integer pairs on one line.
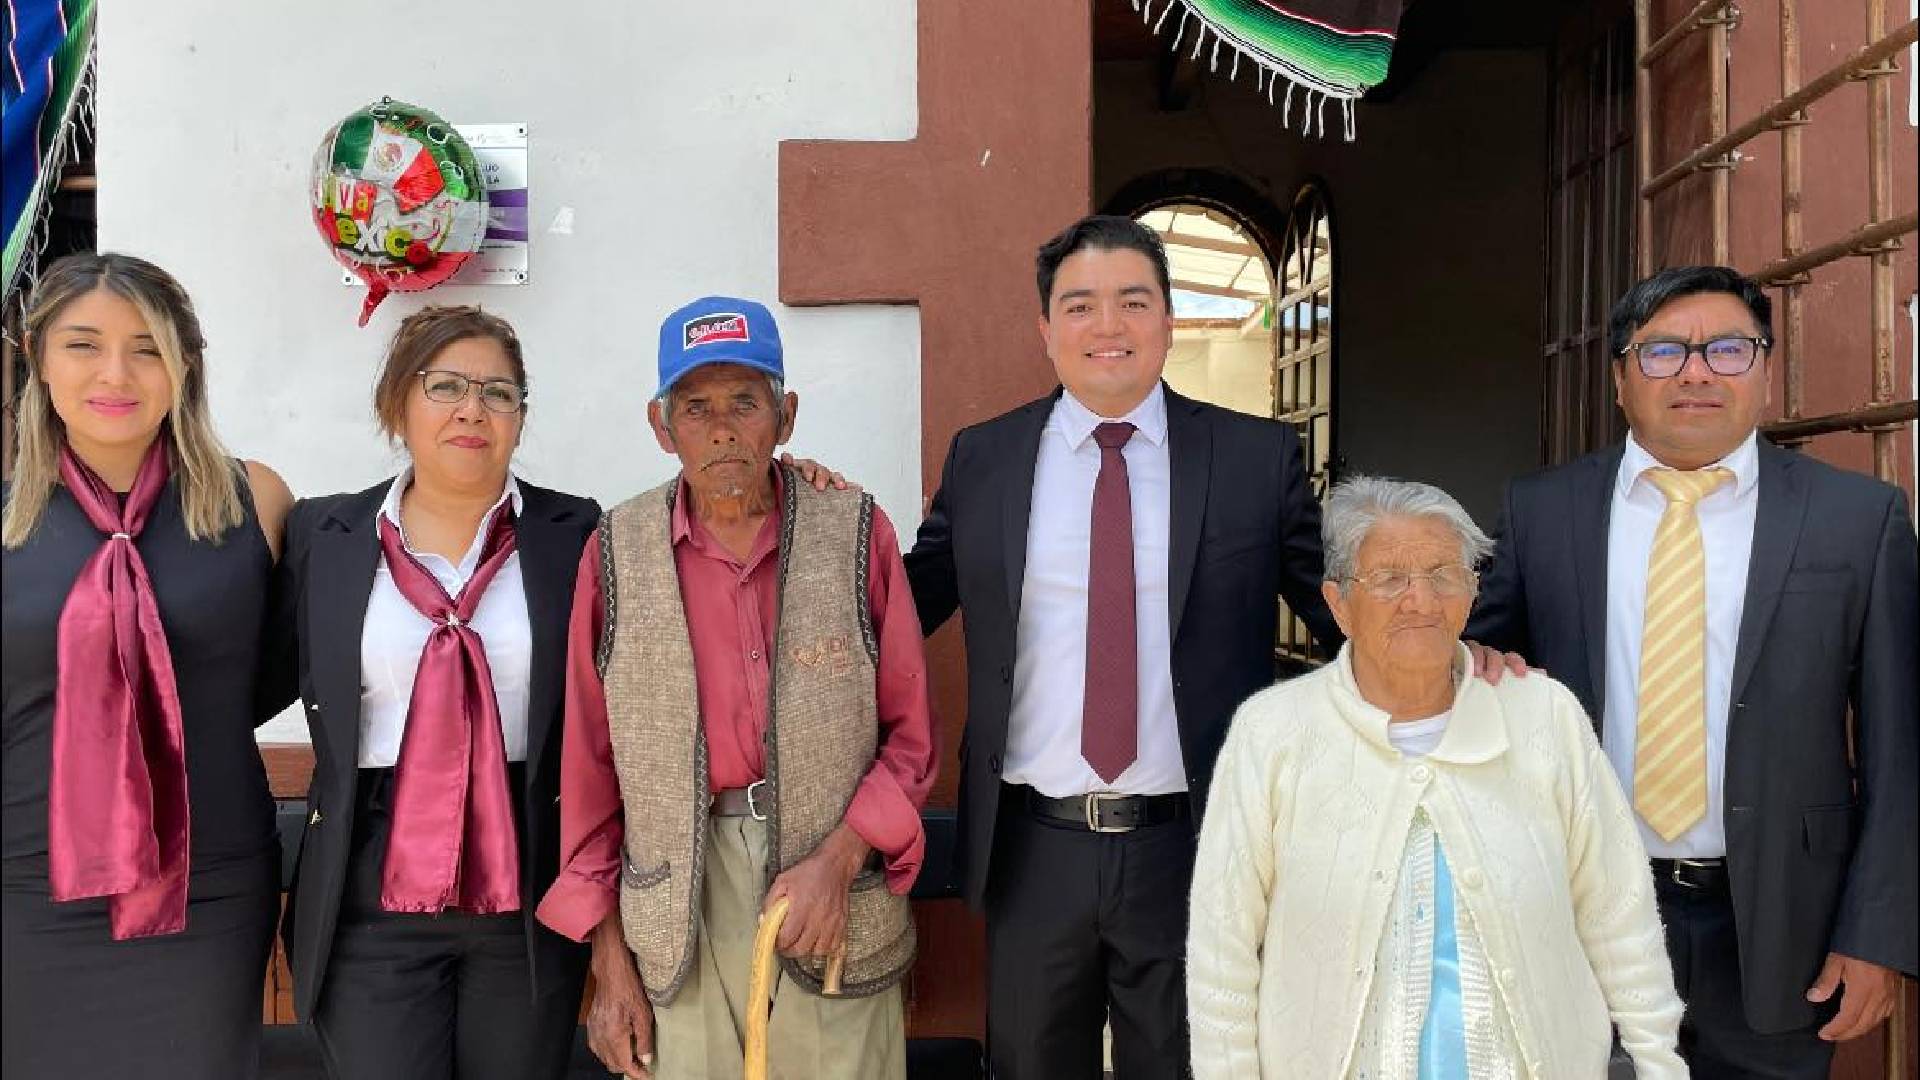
{"points": [[117, 818], [452, 841]]}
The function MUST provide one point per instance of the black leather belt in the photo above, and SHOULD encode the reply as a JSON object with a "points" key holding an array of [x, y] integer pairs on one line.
{"points": [[1704, 875], [1107, 812], [752, 801]]}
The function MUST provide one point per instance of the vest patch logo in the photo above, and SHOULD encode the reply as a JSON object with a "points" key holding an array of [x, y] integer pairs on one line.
{"points": [[708, 329], [832, 654]]}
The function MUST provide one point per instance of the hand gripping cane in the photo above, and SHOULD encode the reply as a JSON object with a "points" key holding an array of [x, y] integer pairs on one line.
{"points": [[760, 987]]}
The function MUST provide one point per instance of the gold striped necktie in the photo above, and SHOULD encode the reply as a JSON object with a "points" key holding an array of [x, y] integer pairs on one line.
{"points": [[1670, 750]]}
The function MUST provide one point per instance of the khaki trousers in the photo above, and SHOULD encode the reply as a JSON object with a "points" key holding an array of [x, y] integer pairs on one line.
{"points": [[702, 1034]]}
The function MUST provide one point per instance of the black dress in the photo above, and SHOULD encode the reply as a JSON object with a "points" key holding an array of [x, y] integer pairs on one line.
{"points": [[76, 1002]]}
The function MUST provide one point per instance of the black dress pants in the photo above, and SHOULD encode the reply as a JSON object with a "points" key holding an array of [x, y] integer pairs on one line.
{"points": [[1715, 1039], [1086, 929], [434, 997]]}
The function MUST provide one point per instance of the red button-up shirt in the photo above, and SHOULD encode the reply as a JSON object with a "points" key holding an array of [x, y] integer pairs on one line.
{"points": [[733, 608]]}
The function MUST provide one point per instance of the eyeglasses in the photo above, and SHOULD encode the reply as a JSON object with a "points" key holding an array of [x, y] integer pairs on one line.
{"points": [[451, 388], [1452, 580], [1723, 355]]}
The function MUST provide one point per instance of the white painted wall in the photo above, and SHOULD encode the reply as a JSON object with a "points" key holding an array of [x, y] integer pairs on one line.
{"points": [[657, 125]]}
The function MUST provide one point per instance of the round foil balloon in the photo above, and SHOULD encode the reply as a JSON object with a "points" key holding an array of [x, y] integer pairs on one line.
{"points": [[398, 198]]}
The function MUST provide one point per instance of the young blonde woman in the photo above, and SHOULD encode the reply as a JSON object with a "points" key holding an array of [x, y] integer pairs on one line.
{"points": [[432, 618], [138, 854]]}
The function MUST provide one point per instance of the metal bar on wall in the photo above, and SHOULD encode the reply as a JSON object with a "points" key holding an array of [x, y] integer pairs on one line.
{"points": [[1875, 53], [1864, 419], [1792, 234], [1688, 23], [1879, 209], [1861, 241], [1719, 31]]}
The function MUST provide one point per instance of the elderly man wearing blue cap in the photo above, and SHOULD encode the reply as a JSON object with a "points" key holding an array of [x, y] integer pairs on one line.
{"points": [[746, 720]]}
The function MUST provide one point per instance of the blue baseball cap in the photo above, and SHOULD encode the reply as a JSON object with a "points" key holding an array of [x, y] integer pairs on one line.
{"points": [[719, 330]]}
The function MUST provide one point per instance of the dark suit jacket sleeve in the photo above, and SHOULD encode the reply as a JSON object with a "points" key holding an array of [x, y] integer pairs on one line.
{"points": [[1500, 611], [930, 568], [1877, 917], [1302, 563], [277, 683]]}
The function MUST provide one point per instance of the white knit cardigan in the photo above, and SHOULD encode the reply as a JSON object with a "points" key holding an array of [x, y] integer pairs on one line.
{"points": [[1300, 854]]}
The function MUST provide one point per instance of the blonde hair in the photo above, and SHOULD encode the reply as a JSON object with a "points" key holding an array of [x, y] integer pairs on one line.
{"points": [[208, 480]]}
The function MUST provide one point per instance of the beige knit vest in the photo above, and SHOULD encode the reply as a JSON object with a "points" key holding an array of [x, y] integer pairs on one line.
{"points": [[821, 735]]}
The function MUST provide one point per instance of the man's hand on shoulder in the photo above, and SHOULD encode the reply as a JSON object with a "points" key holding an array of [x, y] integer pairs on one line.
{"points": [[1493, 665], [814, 473]]}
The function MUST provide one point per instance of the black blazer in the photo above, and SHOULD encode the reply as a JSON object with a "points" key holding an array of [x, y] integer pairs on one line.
{"points": [[1821, 853], [1244, 530], [325, 578]]}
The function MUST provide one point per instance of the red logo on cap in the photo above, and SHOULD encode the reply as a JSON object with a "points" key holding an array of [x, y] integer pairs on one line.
{"points": [[708, 329]]}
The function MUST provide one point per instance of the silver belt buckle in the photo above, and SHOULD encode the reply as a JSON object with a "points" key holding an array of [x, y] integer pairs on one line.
{"points": [[753, 807], [1093, 801], [1681, 881]]}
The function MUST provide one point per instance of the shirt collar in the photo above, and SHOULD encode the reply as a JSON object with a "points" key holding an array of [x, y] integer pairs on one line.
{"points": [[682, 524], [1743, 463], [390, 507], [1076, 421]]}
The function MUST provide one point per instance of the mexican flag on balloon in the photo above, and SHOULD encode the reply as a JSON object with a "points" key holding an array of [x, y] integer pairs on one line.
{"points": [[398, 197]]}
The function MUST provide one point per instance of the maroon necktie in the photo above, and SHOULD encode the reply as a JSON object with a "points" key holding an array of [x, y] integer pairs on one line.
{"points": [[1110, 722], [452, 842], [117, 821]]}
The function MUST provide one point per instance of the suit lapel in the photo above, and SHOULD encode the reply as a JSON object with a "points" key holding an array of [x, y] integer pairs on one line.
{"points": [[346, 551], [1190, 457], [1776, 530], [549, 545], [1592, 515], [1017, 493]]}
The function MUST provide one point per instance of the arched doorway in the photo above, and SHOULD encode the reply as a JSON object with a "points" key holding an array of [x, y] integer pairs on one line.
{"points": [[1222, 307]]}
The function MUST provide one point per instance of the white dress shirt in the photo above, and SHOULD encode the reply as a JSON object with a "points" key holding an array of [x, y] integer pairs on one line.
{"points": [[1050, 661], [395, 633], [1726, 532]]}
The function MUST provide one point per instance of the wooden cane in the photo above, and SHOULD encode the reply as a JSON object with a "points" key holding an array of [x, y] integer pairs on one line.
{"points": [[760, 989], [760, 986]]}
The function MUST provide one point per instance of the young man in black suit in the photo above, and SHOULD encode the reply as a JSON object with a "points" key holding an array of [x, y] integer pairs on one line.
{"points": [[1720, 605], [1118, 551]]}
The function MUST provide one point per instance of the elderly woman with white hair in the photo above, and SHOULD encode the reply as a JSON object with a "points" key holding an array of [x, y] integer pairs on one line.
{"points": [[1406, 872]]}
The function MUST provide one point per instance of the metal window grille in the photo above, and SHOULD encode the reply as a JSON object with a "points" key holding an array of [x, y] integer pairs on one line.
{"points": [[1591, 198], [1881, 416], [1303, 342]]}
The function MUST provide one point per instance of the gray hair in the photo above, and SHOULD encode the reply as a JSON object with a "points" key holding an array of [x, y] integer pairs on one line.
{"points": [[1357, 504]]}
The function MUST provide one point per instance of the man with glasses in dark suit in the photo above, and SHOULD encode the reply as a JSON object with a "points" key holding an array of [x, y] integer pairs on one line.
{"points": [[1721, 606]]}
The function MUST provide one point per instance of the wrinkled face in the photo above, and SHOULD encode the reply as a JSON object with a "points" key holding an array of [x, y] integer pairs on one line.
{"points": [[104, 373], [724, 427], [1108, 328], [462, 442], [1419, 630], [1697, 417]]}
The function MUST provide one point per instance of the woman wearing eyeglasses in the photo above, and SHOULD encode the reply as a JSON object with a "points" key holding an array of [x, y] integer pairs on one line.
{"points": [[432, 617], [1407, 872]]}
